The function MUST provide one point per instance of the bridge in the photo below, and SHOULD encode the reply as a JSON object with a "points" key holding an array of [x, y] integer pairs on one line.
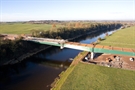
{"points": [[85, 47]]}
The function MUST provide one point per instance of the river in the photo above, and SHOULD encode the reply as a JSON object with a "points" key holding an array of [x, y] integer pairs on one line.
{"points": [[40, 70]]}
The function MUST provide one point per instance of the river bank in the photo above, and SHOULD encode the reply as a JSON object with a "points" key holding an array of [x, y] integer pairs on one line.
{"points": [[35, 51], [123, 63], [94, 77], [99, 61], [66, 77], [58, 82], [35, 69], [124, 38], [38, 72], [26, 55]]}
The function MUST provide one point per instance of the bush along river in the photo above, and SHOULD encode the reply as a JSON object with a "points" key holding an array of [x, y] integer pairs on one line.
{"points": [[39, 71]]}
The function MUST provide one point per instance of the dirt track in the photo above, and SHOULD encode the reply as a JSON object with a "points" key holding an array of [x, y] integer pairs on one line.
{"points": [[123, 62]]}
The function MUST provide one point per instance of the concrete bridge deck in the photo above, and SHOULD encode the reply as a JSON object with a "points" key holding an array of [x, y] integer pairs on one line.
{"points": [[81, 46]]}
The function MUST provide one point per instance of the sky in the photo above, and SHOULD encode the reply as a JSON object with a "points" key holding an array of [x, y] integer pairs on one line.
{"points": [[25, 10]]}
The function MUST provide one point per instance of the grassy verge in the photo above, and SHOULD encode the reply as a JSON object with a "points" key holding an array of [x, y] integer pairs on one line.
{"points": [[63, 76], [122, 38], [93, 77]]}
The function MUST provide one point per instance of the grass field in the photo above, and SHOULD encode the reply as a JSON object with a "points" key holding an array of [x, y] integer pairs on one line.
{"points": [[93, 77], [121, 38], [20, 28]]}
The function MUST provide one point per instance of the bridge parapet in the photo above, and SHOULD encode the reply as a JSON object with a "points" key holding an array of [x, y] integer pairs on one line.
{"points": [[86, 47], [45, 39]]}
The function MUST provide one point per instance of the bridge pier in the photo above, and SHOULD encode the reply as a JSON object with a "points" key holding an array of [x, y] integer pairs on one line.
{"points": [[92, 55], [61, 46]]}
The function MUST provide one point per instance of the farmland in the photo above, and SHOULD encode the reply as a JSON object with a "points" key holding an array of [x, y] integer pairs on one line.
{"points": [[93, 77], [23, 28], [122, 38]]}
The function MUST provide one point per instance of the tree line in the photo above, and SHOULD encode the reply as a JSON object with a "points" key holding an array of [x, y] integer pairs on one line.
{"points": [[73, 30], [13, 49]]}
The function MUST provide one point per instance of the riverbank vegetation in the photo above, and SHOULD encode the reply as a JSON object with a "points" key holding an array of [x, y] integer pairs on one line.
{"points": [[52, 28], [12, 49], [93, 77], [124, 38], [76, 29]]}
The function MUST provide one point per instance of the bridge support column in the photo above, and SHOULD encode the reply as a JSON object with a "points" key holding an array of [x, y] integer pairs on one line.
{"points": [[61, 46], [92, 55]]}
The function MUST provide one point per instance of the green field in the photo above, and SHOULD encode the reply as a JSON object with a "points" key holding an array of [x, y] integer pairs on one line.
{"points": [[93, 77], [20, 28], [121, 38]]}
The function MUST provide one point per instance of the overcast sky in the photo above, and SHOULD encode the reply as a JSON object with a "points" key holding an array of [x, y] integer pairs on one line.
{"points": [[21, 10]]}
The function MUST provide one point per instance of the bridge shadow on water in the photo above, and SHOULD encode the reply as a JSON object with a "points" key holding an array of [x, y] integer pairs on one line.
{"points": [[42, 64]]}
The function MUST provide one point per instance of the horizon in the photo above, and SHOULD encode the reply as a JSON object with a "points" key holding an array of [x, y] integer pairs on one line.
{"points": [[62, 10], [62, 20]]}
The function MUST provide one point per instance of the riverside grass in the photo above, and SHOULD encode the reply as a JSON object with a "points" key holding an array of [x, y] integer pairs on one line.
{"points": [[94, 77], [64, 75], [122, 38], [23, 28]]}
